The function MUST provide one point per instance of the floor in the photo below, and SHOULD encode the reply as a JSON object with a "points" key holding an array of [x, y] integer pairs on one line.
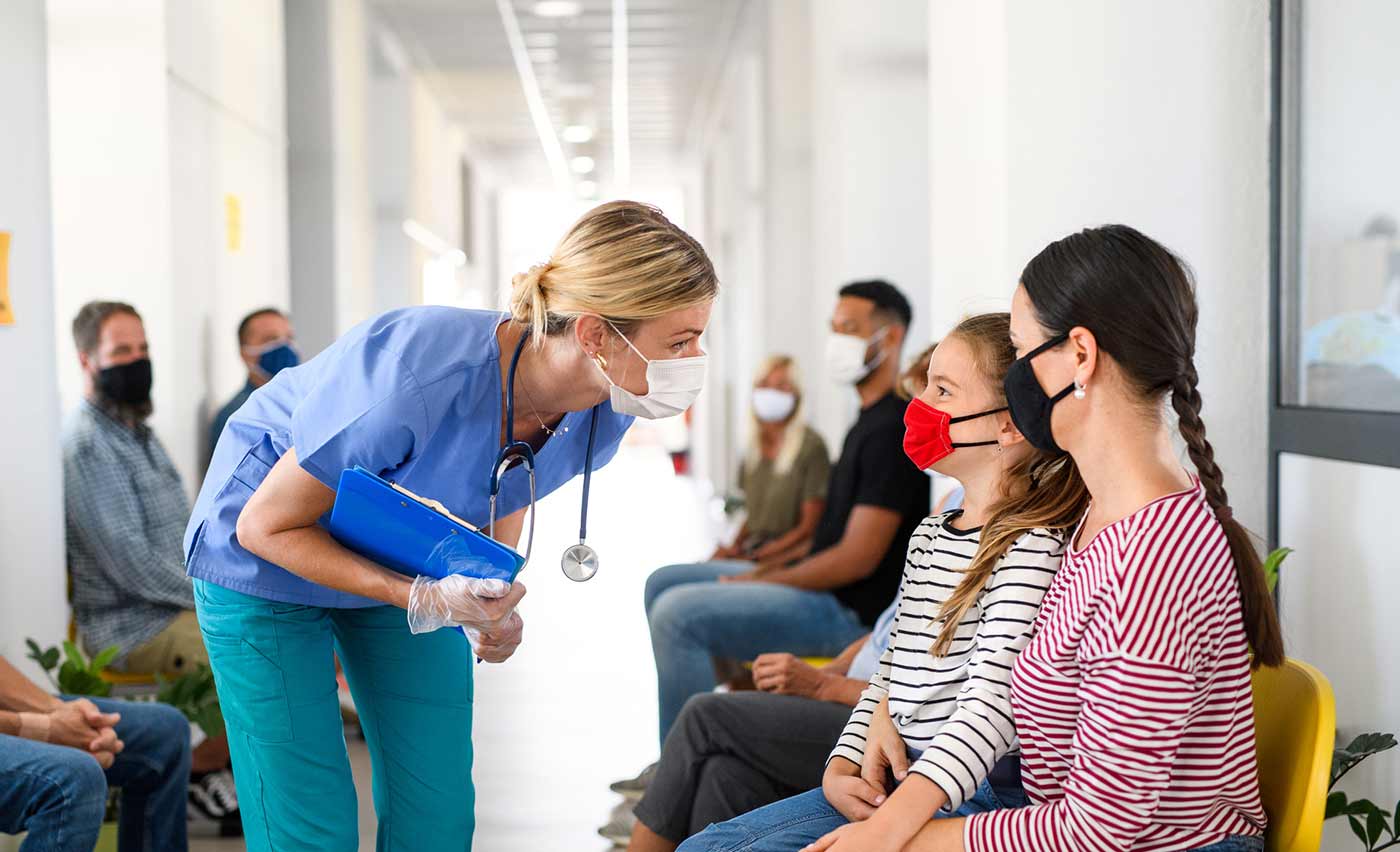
{"points": [[575, 708]]}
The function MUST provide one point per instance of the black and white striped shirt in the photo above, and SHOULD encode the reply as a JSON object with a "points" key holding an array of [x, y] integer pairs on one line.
{"points": [[954, 711]]}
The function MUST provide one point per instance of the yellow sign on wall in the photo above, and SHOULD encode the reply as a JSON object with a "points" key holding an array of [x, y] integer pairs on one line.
{"points": [[233, 222], [7, 315]]}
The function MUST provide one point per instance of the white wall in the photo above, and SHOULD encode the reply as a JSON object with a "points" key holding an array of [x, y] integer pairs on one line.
{"points": [[1337, 591], [1047, 118], [31, 487], [163, 111], [814, 165]]}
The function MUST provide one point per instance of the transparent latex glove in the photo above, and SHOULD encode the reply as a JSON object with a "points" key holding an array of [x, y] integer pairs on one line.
{"points": [[461, 601]]}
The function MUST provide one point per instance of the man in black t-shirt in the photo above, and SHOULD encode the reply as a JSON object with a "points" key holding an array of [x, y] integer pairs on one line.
{"points": [[823, 603]]}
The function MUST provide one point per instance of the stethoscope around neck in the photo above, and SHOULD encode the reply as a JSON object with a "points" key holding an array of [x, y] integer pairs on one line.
{"points": [[580, 561]]}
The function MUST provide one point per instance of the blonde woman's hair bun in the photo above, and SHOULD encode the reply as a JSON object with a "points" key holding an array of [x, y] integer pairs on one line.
{"points": [[527, 300]]}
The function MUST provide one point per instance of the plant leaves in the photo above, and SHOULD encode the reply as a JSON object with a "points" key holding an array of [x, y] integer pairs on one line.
{"points": [[1336, 805], [1272, 563], [74, 655], [1359, 830], [1375, 824], [1395, 832], [104, 658], [1366, 745], [50, 661], [1360, 807]]}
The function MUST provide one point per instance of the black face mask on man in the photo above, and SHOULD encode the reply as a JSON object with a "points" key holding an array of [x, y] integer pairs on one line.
{"points": [[126, 384], [1031, 407]]}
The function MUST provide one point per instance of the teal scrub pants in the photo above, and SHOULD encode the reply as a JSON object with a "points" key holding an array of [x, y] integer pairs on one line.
{"points": [[275, 673]]}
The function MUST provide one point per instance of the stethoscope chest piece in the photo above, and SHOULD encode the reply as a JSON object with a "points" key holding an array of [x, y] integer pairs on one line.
{"points": [[579, 563]]}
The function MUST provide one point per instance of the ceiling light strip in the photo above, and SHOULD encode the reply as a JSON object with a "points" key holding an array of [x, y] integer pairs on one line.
{"points": [[621, 140], [539, 113]]}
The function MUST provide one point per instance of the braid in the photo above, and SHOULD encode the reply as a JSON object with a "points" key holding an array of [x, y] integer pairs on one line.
{"points": [[1186, 400], [1257, 605]]}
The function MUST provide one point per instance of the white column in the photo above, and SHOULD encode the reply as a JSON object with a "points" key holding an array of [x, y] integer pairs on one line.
{"points": [[31, 489]]}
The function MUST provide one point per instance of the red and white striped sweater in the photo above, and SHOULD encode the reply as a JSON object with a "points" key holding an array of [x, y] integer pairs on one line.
{"points": [[1132, 700]]}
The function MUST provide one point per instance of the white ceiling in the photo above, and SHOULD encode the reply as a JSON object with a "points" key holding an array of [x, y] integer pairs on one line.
{"points": [[460, 49]]}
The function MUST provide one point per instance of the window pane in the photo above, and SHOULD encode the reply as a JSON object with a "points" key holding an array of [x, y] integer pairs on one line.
{"points": [[1345, 339]]}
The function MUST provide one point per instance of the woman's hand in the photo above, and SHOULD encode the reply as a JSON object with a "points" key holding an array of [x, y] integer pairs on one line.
{"points": [[884, 749], [497, 646], [784, 674], [461, 601], [848, 793], [725, 553]]}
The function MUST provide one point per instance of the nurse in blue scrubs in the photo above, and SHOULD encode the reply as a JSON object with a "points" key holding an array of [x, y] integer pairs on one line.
{"points": [[418, 395]]}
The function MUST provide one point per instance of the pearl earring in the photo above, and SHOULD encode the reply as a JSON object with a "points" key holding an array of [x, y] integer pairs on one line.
{"points": [[1079, 390]]}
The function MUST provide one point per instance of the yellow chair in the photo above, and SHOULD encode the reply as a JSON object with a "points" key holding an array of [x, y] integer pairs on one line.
{"points": [[814, 662], [1295, 723], [137, 682]]}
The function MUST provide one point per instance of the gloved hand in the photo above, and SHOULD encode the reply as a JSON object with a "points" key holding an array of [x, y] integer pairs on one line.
{"points": [[461, 601], [497, 646]]}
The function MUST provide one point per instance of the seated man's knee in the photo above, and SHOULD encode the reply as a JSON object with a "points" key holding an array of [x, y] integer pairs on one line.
{"points": [[658, 582], [79, 788]]}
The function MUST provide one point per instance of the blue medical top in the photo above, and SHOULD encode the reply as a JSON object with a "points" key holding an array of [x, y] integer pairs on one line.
{"points": [[413, 395]]}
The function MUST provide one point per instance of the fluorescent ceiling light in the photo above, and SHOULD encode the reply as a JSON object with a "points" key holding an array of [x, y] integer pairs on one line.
{"points": [[578, 133], [424, 236], [558, 8], [581, 165], [621, 140], [539, 111]]}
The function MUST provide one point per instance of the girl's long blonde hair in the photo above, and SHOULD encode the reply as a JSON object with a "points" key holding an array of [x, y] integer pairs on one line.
{"points": [[793, 432], [623, 261], [1041, 491]]}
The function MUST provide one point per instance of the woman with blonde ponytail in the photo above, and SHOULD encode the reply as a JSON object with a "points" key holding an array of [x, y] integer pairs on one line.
{"points": [[607, 329], [1132, 701], [783, 475]]}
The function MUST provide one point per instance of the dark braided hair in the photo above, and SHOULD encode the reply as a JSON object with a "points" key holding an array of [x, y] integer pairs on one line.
{"points": [[1139, 301]]}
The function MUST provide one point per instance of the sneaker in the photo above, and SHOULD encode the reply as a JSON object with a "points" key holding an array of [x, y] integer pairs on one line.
{"points": [[202, 803], [220, 785], [212, 797], [633, 788], [620, 823]]}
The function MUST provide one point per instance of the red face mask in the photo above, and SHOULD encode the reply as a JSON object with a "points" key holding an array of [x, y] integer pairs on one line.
{"points": [[926, 433]]}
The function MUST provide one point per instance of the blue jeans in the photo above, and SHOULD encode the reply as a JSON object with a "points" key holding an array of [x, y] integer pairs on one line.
{"points": [[59, 794], [793, 823], [694, 618]]}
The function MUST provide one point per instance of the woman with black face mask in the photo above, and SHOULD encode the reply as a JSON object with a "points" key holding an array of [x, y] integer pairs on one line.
{"points": [[1132, 700]]}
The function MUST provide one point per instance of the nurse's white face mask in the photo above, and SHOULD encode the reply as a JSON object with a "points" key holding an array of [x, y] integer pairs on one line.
{"points": [[672, 385]]}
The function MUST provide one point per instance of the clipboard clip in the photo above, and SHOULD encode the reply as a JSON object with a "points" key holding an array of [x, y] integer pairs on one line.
{"points": [[435, 505]]}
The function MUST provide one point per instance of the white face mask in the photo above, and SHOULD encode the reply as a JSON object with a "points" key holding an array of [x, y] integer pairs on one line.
{"points": [[672, 386], [771, 405], [845, 357]]}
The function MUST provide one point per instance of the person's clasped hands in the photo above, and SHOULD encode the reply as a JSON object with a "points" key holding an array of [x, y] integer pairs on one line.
{"points": [[78, 724]]}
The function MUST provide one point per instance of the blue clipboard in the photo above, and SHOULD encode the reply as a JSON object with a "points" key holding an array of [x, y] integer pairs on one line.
{"points": [[413, 535]]}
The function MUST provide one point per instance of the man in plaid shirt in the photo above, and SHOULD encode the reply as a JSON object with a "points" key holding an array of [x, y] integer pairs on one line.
{"points": [[126, 512]]}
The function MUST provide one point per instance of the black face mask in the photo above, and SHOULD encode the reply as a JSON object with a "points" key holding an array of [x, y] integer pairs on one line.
{"points": [[1030, 406], [126, 384]]}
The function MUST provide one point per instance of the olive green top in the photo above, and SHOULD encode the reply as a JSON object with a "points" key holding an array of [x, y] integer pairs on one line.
{"points": [[774, 501]]}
